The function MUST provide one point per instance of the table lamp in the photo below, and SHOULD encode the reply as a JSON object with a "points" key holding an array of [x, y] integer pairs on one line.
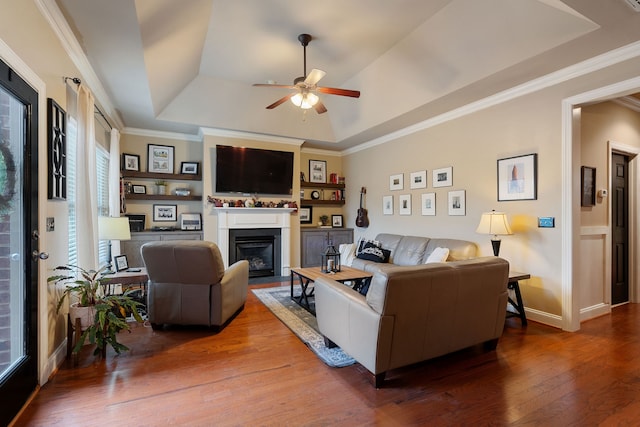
{"points": [[113, 228], [494, 223]]}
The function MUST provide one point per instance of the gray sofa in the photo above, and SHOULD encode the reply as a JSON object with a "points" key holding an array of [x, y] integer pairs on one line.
{"points": [[415, 312]]}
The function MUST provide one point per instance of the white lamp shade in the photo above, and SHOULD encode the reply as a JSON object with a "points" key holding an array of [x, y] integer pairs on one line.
{"points": [[304, 100], [495, 223], [112, 228]]}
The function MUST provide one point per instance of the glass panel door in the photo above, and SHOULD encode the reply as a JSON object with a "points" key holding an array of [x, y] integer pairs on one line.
{"points": [[18, 234]]}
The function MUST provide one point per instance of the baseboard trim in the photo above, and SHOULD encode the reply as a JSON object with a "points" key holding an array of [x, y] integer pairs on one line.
{"points": [[53, 362], [594, 311]]}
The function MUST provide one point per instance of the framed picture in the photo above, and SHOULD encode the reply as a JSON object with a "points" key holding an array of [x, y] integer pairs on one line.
{"points": [[121, 262], [336, 221], [139, 189], [396, 182], [517, 178], [160, 158], [305, 213], [165, 213], [130, 162], [318, 171], [190, 221], [418, 179], [587, 185], [387, 205], [405, 204], [457, 203], [189, 168], [442, 177], [428, 204], [56, 153]]}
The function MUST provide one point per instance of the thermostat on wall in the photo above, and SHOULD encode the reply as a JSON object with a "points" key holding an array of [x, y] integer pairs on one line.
{"points": [[546, 222]]}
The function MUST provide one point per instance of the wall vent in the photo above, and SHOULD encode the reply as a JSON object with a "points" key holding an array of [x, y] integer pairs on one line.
{"points": [[635, 4]]}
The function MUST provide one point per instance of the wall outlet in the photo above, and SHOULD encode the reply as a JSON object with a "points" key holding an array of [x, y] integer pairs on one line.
{"points": [[546, 222]]}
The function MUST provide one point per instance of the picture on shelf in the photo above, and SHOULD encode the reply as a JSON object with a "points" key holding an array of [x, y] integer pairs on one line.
{"points": [[130, 162], [165, 213], [318, 171], [305, 214], [160, 158], [189, 168], [139, 189], [121, 262], [336, 221]]}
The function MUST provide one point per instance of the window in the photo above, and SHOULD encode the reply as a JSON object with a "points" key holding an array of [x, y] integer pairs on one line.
{"points": [[72, 140], [102, 170]]}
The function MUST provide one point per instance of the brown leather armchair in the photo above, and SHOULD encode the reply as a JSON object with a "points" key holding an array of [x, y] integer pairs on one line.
{"points": [[188, 284]]}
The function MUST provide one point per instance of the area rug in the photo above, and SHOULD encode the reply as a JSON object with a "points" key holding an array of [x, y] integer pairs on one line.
{"points": [[302, 323]]}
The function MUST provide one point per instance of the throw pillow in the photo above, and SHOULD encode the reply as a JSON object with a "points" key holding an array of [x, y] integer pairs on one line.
{"points": [[372, 252], [347, 253], [362, 242], [438, 255]]}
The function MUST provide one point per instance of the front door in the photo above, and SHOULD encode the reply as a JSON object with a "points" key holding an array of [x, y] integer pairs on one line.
{"points": [[619, 229], [18, 238]]}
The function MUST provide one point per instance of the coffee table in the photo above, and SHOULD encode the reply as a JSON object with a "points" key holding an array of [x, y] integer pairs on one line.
{"points": [[308, 275]]}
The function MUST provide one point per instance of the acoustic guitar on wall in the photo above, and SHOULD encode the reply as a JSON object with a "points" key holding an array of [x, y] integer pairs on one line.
{"points": [[362, 220]]}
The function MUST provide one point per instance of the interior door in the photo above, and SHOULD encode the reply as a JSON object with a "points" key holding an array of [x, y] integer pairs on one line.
{"points": [[18, 238], [619, 229]]}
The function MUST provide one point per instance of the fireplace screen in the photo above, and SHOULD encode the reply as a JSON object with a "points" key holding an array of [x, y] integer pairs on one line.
{"points": [[258, 251]]}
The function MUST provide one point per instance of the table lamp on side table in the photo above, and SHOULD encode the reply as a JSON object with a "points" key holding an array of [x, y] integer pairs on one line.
{"points": [[494, 223], [113, 228]]}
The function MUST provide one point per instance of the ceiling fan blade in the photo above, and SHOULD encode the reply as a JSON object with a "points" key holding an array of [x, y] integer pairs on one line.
{"points": [[337, 91], [274, 85], [280, 101], [320, 108], [314, 77]]}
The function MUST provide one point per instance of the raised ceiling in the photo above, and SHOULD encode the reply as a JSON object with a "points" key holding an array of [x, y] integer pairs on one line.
{"points": [[177, 66]]}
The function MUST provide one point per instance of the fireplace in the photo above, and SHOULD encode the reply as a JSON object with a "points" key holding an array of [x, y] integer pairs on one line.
{"points": [[277, 220], [260, 247]]}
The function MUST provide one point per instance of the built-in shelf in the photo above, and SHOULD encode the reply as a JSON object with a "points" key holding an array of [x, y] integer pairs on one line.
{"points": [[132, 196], [321, 202], [306, 184], [162, 176], [322, 186]]}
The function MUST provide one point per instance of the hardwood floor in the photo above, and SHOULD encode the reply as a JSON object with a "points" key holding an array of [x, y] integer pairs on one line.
{"points": [[256, 372]]}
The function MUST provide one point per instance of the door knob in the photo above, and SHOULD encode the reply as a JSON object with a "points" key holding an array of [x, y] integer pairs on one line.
{"points": [[39, 255]]}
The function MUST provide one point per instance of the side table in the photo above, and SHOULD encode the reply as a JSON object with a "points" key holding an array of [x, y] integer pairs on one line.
{"points": [[518, 305]]}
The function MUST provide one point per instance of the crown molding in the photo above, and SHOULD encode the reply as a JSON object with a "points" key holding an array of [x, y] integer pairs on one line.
{"points": [[162, 134], [579, 69], [225, 133], [52, 14]]}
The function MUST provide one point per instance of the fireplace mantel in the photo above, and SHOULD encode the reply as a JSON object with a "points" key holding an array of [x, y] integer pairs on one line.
{"points": [[247, 218]]}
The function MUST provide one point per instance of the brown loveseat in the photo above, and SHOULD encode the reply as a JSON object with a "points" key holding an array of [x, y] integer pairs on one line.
{"points": [[416, 312], [188, 284]]}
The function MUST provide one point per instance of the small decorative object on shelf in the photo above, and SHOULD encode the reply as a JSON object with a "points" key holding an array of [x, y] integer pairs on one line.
{"points": [[330, 259]]}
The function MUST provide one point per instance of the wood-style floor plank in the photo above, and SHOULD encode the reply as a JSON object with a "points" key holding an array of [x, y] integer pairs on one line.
{"points": [[256, 372]]}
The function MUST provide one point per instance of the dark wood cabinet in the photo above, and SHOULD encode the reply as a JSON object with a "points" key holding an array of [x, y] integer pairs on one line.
{"points": [[131, 248], [315, 240]]}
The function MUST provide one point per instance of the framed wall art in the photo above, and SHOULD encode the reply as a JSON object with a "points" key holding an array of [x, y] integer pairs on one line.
{"points": [[57, 151], [428, 204], [457, 203], [189, 168], [318, 171], [396, 182], [160, 158], [305, 213], [130, 162], [442, 177], [139, 189], [405, 204], [517, 178], [336, 221], [165, 213], [587, 186], [418, 179], [387, 205]]}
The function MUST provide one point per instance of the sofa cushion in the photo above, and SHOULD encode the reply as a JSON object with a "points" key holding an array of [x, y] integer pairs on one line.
{"points": [[438, 255], [410, 250], [458, 249], [371, 252]]}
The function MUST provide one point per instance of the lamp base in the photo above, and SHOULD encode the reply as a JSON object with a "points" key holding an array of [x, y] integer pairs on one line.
{"points": [[496, 246]]}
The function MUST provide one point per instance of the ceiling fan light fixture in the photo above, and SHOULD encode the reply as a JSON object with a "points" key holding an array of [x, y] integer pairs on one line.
{"points": [[305, 100]]}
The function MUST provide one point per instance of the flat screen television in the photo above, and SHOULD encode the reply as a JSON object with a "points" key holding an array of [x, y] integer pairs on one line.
{"points": [[253, 171]]}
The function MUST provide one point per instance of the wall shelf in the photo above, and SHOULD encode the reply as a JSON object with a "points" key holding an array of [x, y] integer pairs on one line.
{"points": [[162, 176], [306, 184], [314, 202], [132, 196]]}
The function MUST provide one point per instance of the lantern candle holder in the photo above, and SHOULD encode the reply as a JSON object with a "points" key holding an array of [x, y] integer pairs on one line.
{"points": [[330, 259]]}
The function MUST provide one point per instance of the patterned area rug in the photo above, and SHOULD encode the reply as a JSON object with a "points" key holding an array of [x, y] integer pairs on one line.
{"points": [[302, 323]]}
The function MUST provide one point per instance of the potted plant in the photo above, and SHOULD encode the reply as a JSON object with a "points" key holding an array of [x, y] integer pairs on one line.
{"points": [[107, 314], [324, 220], [161, 187]]}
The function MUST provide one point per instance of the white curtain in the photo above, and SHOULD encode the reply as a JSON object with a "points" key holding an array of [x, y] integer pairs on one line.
{"points": [[114, 183], [87, 188]]}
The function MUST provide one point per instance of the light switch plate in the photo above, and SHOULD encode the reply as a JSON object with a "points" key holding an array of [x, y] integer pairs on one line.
{"points": [[546, 222], [51, 224]]}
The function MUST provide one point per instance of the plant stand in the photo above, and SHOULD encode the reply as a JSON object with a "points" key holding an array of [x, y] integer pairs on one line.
{"points": [[73, 335]]}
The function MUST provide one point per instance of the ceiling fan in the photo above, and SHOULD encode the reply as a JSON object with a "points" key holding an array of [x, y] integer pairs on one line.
{"points": [[304, 96]]}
